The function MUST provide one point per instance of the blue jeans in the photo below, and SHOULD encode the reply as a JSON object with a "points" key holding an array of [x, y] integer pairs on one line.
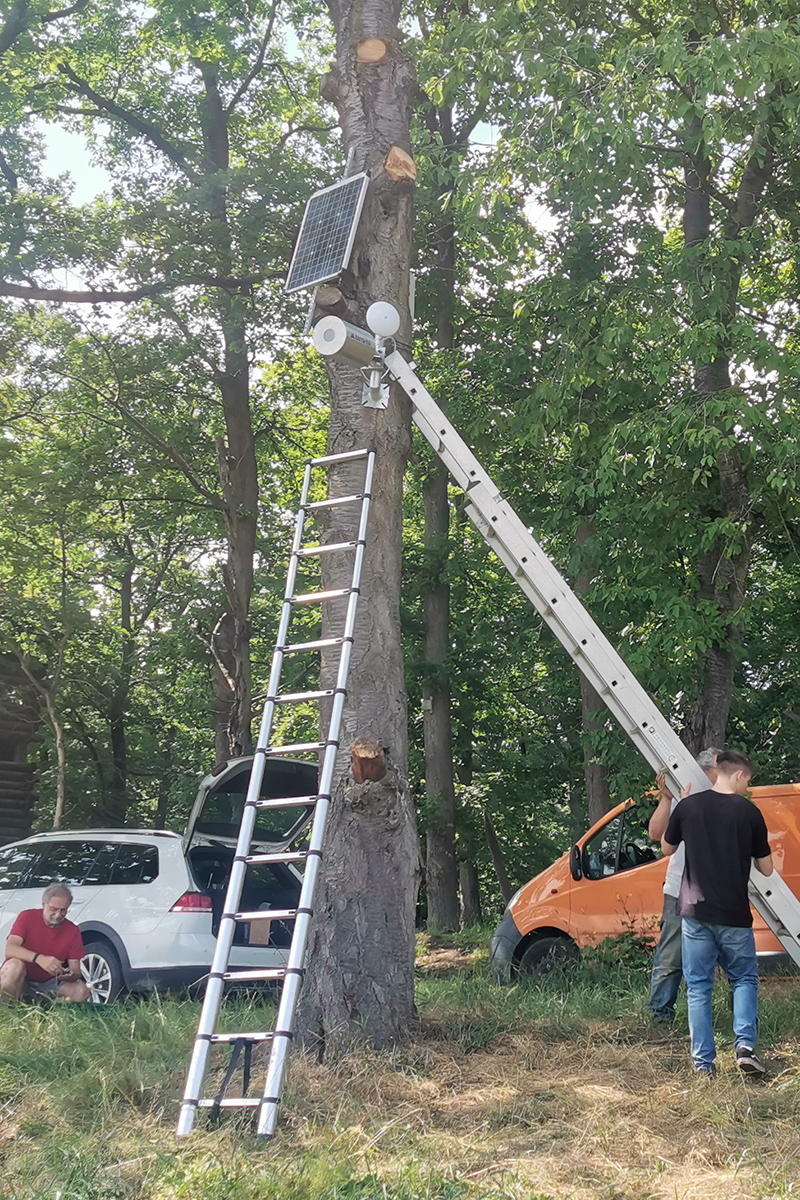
{"points": [[667, 973], [735, 950]]}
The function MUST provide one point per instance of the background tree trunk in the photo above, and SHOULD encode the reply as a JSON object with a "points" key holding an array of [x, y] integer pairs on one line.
{"points": [[715, 280], [441, 874], [360, 975], [468, 827], [469, 887], [492, 841]]}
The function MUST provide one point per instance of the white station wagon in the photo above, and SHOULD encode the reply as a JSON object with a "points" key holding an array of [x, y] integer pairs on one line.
{"points": [[148, 903]]}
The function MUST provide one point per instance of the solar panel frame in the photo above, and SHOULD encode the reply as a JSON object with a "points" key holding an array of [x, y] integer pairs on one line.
{"points": [[327, 233]]}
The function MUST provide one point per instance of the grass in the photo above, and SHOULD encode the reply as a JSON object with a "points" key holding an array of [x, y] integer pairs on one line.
{"points": [[554, 1091]]}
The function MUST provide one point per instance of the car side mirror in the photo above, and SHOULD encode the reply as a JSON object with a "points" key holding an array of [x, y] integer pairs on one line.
{"points": [[575, 863]]}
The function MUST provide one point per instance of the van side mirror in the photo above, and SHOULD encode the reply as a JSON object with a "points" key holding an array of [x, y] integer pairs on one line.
{"points": [[575, 863]]}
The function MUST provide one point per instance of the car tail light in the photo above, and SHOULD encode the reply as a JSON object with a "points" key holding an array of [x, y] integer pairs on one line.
{"points": [[192, 902]]}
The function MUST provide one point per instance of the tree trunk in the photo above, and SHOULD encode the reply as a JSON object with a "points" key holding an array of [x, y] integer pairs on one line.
{"points": [[117, 800], [492, 841], [441, 873], [360, 974], [61, 758], [223, 685], [236, 457], [469, 837], [469, 887], [441, 868], [723, 569]]}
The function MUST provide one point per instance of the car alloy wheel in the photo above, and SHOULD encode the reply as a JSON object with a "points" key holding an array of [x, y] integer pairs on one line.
{"points": [[101, 973]]}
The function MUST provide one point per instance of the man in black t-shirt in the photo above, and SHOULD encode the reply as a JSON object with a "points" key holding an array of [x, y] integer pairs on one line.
{"points": [[723, 833]]}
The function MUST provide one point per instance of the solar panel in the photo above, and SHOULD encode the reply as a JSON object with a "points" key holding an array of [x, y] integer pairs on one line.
{"points": [[327, 233]]}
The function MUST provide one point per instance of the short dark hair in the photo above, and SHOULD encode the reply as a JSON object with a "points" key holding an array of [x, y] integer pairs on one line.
{"points": [[729, 761]]}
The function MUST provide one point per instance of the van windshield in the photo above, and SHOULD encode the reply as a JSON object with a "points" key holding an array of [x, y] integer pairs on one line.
{"points": [[622, 843]]}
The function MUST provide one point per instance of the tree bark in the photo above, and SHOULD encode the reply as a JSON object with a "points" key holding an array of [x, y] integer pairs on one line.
{"points": [[469, 887], [496, 851], [360, 980]]}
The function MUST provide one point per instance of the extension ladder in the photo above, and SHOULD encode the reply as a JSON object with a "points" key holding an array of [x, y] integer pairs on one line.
{"points": [[290, 977], [578, 633]]}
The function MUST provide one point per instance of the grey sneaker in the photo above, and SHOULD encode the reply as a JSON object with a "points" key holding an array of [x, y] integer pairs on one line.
{"points": [[748, 1063]]}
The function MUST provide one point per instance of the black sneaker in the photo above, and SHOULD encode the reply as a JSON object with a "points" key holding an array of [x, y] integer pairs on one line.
{"points": [[748, 1063]]}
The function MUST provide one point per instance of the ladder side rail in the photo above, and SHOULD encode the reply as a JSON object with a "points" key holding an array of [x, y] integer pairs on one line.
{"points": [[227, 926], [284, 1023], [595, 657], [569, 620], [776, 903], [549, 592]]}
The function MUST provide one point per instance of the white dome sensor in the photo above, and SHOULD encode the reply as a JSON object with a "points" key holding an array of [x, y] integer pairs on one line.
{"points": [[383, 319]]}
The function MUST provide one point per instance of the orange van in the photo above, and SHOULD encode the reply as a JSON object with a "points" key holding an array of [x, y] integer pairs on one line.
{"points": [[611, 883]]}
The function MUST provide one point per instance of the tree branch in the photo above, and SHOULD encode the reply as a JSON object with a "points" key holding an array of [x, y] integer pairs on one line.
{"points": [[139, 124], [283, 139], [77, 7], [258, 65], [8, 173], [111, 296]]}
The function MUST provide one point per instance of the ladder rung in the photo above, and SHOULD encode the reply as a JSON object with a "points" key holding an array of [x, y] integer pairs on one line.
{"points": [[236, 1102], [328, 548], [287, 802], [319, 644], [241, 1037], [282, 856], [317, 597], [336, 500], [297, 748], [332, 458], [272, 973], [267, 914], [297, 697]]}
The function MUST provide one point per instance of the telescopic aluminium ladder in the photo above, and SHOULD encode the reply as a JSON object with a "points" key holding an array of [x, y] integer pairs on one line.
{"points": [[289, 977], [578, 633]]}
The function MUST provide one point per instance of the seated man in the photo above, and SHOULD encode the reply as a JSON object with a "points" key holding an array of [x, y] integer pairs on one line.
{"points": [[44, 952]]}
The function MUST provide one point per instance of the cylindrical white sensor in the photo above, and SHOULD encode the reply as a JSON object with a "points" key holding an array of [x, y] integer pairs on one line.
{"points": [[383, 319], [333, 337]]}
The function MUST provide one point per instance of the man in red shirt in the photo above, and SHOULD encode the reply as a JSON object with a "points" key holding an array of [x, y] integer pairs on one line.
{"points": [[44, 951]]}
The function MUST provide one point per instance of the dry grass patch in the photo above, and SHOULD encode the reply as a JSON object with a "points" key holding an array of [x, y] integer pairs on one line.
{"points": [[597, 1117]]}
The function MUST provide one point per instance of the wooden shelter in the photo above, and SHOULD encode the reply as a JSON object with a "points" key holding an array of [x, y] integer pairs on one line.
{"points": [[20, 726]]}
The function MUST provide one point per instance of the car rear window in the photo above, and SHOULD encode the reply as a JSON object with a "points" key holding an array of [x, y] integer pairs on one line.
{"points": [[135, 864], [14, 862], [62, 862], [124, 863]]}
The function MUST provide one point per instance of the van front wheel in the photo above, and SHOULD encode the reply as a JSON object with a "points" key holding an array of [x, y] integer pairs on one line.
{"points": [[547, 954]]}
